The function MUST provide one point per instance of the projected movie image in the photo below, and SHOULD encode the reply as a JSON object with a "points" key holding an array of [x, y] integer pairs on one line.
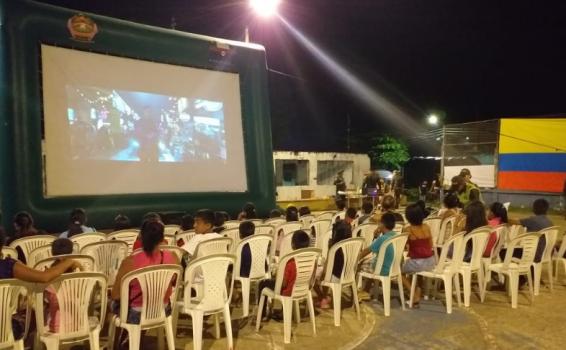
{"points": [[134, 126]]}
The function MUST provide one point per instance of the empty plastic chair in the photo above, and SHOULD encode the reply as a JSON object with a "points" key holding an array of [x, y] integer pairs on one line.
{"points": [[83, 239], [108, 257], [27, 244], [550, 235], [86, 261], [128, 236]]}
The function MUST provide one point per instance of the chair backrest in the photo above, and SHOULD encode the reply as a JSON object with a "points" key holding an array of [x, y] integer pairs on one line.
{"points": [[108, 257], [9, 252], [83, 239], [501, 233], [27, 244], [155, 282], [185, 236], [434, 224], [306, 220], [256, 221], [288, 227], [479, 238], [38, 254], [305, 262], [339, 215], [528, 242], [86, 261], [399, 226], [326, 215], [234, 235], [213, 246], [350, 250], [446, 228], [453, 244], [562, 249], [506, 205], [74, 294], [170, 230], [232, 224], [366, 232], [264, 230], [216, 292], [398, 243], [550, 233], [515, 231], [10, 291], [320, 226], [128, 236], [323, 242], [179, 252], [259, 245], [274, 221]]}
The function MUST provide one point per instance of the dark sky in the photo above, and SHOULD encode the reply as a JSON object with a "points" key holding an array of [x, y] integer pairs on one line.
{"points": [[472, 60]]}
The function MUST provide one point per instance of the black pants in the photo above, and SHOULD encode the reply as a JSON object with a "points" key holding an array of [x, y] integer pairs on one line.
{"points": [[269, 283]]}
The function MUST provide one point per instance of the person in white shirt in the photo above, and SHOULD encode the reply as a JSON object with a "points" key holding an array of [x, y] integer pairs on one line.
{"points": [[77, 224], [204, 223]]}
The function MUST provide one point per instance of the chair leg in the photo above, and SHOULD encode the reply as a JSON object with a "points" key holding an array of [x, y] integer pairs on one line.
{"points": [[550, 279], [467, 279], [170, 333], [19, 345], [401, 293], [514, 288], [310, 305], [160, 338], [297, 311], [337, 302], [134, 337], [287, 319], [480, 284], [356, 301], [52, 343], [538, 271], [386, 286], [530, 283], [94, 339], [228, 325], [246, 296], [197, 317], [217, 326], [413, 287], [485, 283], [175, 317], [448, 292], [259, 312], [456, 281], [111, 333]]}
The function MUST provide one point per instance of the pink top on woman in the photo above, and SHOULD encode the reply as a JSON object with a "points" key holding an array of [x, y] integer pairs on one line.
{"points": [[420, 248], [141, 259], [492, 237]]}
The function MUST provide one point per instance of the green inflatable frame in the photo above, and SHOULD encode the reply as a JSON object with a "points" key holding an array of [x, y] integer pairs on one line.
{"points": [[26, 24]]}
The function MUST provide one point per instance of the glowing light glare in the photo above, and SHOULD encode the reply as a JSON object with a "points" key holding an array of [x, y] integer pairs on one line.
{"points": [[432, 119], [365, 93], [265, 8]]}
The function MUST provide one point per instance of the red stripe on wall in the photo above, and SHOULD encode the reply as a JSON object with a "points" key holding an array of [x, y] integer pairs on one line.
{"points": [[531, 181]]}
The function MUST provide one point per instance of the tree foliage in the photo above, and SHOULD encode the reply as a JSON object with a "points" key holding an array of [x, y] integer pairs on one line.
{"points": [[388, 153]]}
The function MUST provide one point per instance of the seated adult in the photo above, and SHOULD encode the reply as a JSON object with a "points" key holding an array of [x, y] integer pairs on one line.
{"points": [[77, 224], [466, 191], [23, 226], [367, 209], [387, 206], [420, 246], [122, 222], [151, 233], [153, 217], [248, 212]]}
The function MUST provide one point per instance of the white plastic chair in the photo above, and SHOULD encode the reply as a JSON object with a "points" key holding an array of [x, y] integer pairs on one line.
{"points": [[514, 231], [446, 229], [350, 250], [259, 245], [339, 215], [305, 261], [185, 236], [128, 236], [9, 252], [234, 235], [213, 246], [320, 226], [154, 282], [501, 234], [326, 215], [215, 297], [274, 221], [232, 224], [559, 257], [506, 205], [513, 267], [280, 232], [10, 292], [434, 224], [306, 220], [27, 244], [86, 261], [366, 232], [397, 243], [256, 221], [74, 292], [170, 230], [550, 234], [399, 226], [479, 238], [38, 254], [83, 239], [264, 230], [108, 257], [445, 269]]}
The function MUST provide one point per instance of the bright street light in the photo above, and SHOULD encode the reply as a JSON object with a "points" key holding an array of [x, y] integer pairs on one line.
{"points": [[432, 119], [265, 8]]}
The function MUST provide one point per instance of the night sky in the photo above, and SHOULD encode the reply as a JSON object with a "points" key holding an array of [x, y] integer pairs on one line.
{"points": [[471, 60]]}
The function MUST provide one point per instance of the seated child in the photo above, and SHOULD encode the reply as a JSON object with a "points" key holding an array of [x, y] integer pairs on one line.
{"points": [[247, 229], [60, 246]]}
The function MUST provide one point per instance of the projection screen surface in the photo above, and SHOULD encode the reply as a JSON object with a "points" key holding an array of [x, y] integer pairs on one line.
{"points": [[117, 125]]}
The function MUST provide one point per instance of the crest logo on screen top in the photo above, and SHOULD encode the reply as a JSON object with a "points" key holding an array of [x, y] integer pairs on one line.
{"points": [[82, 28]]}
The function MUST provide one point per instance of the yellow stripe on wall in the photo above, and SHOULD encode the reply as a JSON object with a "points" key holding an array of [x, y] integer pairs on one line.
{"points": [[532, 136]]}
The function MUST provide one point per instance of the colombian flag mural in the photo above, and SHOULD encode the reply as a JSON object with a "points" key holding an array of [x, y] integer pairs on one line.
{"points": [[532, 155]]}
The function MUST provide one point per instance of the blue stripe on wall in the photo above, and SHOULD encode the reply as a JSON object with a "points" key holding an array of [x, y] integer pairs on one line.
{"points": [[549, 162]]}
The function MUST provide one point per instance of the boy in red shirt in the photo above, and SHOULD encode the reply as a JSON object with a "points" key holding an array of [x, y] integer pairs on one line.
{"points": [[300, 240]]}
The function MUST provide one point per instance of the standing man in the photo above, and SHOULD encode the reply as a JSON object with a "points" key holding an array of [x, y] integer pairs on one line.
{"points": [[466, 191], [340, 184], [397, 186], [467, 175]]}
